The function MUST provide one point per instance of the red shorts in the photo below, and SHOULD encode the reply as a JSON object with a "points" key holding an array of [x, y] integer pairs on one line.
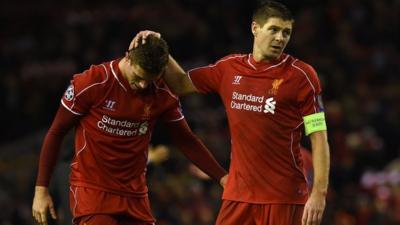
{"points": [[90, 206], [242, 213]]}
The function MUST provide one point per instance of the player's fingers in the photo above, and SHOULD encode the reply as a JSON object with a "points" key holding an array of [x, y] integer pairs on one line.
{"points": [[38, 218], [304, 219], [155, 34], [53, 212], [145, 34], [141, 36], [149, 32], [309, 220], [313, 217], [319, 218], [316, 217], [35, 217], [135, 41], [43, 218]]}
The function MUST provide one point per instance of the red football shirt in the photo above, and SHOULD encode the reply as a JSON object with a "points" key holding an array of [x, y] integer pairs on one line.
{"points": [[112, 137], [265, 105]]}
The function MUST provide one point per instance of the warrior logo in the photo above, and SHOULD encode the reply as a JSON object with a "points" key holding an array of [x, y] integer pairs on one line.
{"points": [[110, 105], [236, 79]]}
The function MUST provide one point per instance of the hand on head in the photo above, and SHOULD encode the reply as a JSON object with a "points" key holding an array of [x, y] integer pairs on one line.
{"points": [[142, 36]]}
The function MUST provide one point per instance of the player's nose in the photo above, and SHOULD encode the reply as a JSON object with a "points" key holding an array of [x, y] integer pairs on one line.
{"points": [[143, 84], [279, 36]]}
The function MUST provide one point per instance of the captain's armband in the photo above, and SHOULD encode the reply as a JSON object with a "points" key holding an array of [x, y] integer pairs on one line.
{"points": [[314, 122]]}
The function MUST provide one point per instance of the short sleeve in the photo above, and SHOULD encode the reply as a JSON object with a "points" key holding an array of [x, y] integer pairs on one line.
{"points": [[172, 110], [81, 93], [309, 95], [207, 78]]}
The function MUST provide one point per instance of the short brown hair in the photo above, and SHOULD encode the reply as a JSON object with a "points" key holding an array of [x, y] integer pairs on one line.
{"points": [[152, 56], [269, 9]]}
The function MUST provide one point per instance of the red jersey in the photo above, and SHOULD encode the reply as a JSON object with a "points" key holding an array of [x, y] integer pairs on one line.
{"points": [[265, 105], [113, 135]]}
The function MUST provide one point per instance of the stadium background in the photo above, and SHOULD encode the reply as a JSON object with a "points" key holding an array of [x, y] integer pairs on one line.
{"points": [[353, 44]]}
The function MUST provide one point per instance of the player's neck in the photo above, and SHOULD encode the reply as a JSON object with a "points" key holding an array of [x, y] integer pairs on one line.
{"points": [[260, 58], [122, 67]]}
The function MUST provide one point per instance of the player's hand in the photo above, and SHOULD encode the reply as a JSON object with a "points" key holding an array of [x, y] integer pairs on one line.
{"points": [[158, 154], [314, 209], [142, 36], [42, 203], [223, 180], [198, 172]]}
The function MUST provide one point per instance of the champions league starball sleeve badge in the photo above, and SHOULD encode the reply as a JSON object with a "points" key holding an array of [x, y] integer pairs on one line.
{"points": [[69, 93]]}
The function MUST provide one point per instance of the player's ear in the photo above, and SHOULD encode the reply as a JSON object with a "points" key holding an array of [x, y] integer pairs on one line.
{"points": [[254, 28]]}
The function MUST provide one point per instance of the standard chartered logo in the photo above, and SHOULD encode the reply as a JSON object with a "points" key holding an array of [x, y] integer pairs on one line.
{"points": [[250, 102], [143, 128], [122, 127], [269, 106]]}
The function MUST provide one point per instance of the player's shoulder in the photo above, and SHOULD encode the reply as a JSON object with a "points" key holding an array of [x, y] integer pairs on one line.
{"points": [[232, 58], [302, 67], [304, 72], [99, 73], [162, 89]]}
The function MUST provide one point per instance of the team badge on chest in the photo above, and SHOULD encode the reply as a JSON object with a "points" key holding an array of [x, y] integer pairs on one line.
{"points": [[275, 86], [146, 112]]}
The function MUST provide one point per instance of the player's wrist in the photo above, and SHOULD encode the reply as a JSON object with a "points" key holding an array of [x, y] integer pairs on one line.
{"points": [[223, 180], [41, 189], [319, 192]]}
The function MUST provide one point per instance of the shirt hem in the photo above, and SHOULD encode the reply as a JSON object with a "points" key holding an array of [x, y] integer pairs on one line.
{"points": [[297, 202], [114, 191]]}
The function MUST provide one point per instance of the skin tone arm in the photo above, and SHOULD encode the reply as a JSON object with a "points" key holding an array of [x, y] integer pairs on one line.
{"points": [[175, 77], [177, 80], [315, 205], [42, 202]]}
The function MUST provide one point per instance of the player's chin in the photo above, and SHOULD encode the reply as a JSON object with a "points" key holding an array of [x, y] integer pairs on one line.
{"points": [[138, 90], [134, 87], [274, 54]]}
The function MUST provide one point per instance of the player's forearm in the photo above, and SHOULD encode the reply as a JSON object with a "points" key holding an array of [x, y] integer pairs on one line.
{"points": [[321, 162], [195, 150], [177, 79], [63, 122], [48, 158], [198, 154]]}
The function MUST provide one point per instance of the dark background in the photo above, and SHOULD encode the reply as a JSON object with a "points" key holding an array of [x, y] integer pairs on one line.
{"points": [[352, 44]]}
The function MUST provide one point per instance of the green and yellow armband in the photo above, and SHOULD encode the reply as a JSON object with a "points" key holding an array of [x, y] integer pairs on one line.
{"points": [[314, 122]]}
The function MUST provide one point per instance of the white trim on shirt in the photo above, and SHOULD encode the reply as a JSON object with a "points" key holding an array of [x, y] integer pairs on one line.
{"points": [[115, 75], [309, 81]]}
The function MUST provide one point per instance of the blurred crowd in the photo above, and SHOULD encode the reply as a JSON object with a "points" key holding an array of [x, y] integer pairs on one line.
{"points": [[353, 44]]}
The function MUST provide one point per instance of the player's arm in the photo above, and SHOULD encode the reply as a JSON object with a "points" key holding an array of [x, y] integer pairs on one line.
{"points": [[42, 201], [316, 128], [177, 79], [191, 146], [321, 162]]}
